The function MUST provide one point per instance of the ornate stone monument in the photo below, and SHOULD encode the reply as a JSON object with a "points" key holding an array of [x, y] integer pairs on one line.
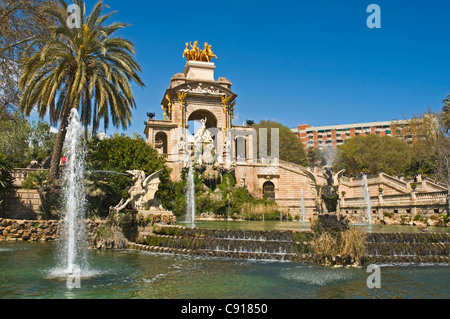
{"points": [[143, 203]]}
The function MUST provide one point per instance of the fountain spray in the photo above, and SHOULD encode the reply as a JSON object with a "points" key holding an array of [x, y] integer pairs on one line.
{"points": [[73, 235]]}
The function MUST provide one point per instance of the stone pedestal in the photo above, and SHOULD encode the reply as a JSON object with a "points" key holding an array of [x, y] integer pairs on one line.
{"points": [[196, 70]]}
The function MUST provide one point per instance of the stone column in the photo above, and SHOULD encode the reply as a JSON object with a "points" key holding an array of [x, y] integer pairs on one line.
{"points": [[380, 205]]}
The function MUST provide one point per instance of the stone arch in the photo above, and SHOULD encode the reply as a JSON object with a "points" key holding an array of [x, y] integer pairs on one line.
{"points": [[200, 114], [269, 190], [161, 143]]}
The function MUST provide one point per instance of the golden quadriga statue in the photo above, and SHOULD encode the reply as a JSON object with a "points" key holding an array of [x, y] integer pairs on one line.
{"points": [[195, 54]]}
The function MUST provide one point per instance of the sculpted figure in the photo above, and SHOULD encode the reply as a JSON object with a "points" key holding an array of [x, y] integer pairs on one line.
{"points": [[210, 54], [195, 51], [187, 53], [142, 193], [204, 54]]}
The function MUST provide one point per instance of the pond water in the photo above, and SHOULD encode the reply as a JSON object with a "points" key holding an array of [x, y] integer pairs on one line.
{"points": [[26, 273]]}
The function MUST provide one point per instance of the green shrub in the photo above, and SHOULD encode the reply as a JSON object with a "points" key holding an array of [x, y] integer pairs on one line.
{"points": [[6, 178], [417, 217], [35, 180]]}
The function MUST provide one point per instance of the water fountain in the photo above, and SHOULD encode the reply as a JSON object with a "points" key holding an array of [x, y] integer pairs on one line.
{"points": [[190, 196], [367, 199], [302, 207], [73, 235]]}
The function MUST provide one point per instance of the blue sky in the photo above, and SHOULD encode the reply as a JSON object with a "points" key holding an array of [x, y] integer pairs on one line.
{"points": [[300, 61]]}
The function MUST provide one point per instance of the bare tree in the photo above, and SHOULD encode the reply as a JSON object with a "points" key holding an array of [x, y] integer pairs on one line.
{"points": [[443, 152], [20, 22]]}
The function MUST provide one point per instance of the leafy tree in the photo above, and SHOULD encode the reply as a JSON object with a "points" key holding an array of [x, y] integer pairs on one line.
{"points": [[290, 147], [421, 164], [86, 68], [119, 154], [431, 145], [22, 142], [315, 157], [42, 141], [371, 154], [14, 138]]}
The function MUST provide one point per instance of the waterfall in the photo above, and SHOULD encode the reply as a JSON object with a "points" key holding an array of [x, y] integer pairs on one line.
{"points": [[190, 196], [302, 207], [367, 199], [73, 235]]}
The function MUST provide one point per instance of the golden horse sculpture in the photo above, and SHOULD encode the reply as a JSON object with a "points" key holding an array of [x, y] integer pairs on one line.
{"points": [[195, 54]]}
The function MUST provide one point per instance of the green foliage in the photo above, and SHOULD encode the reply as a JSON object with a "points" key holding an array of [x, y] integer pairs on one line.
{"points": [[100, 194], [22, 142], [425, 164], [35, 180], [51, 199], [315, 158], [42, 141], [227, 183], [6, 178], [290, 146], [371, 154], [227, 200], [14, 139], [119, 154], [417, 217]]}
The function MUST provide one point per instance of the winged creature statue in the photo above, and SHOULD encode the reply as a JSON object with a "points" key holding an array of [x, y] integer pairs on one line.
{"points": [[141, 196], [327, 187]]}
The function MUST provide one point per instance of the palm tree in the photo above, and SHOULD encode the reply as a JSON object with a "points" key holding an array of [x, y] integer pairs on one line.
{"points": [[84, 68]]}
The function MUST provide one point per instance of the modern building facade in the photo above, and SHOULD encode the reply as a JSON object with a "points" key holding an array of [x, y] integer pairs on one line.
{"points": [[326, 137]]}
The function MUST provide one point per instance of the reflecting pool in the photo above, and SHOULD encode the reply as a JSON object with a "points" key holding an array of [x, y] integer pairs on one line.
{"points": [[27, 273]]}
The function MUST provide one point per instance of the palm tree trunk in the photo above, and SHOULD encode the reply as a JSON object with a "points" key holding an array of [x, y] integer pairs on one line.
{"points": [[59, 143]]}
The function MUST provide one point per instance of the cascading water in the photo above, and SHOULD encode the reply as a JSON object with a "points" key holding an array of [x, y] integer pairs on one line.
{"points": [[190, 196], [367, 199], [73, 235], [302, 207]]}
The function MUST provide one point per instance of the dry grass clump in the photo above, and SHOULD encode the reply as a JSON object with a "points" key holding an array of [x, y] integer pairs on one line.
{"points": [[325, 245], [353, 243], [256, 211], [346, 247]]}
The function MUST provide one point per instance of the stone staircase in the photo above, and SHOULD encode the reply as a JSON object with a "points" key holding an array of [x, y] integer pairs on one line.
{"points": [[407, 248], [243, 244], [291, 245]]}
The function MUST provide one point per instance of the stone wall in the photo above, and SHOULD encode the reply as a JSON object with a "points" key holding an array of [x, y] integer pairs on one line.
{"points": [[21, 204], [37, 230]]}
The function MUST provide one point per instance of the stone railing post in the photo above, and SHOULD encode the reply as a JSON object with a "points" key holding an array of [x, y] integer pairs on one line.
{"points": [[413, 202]]}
